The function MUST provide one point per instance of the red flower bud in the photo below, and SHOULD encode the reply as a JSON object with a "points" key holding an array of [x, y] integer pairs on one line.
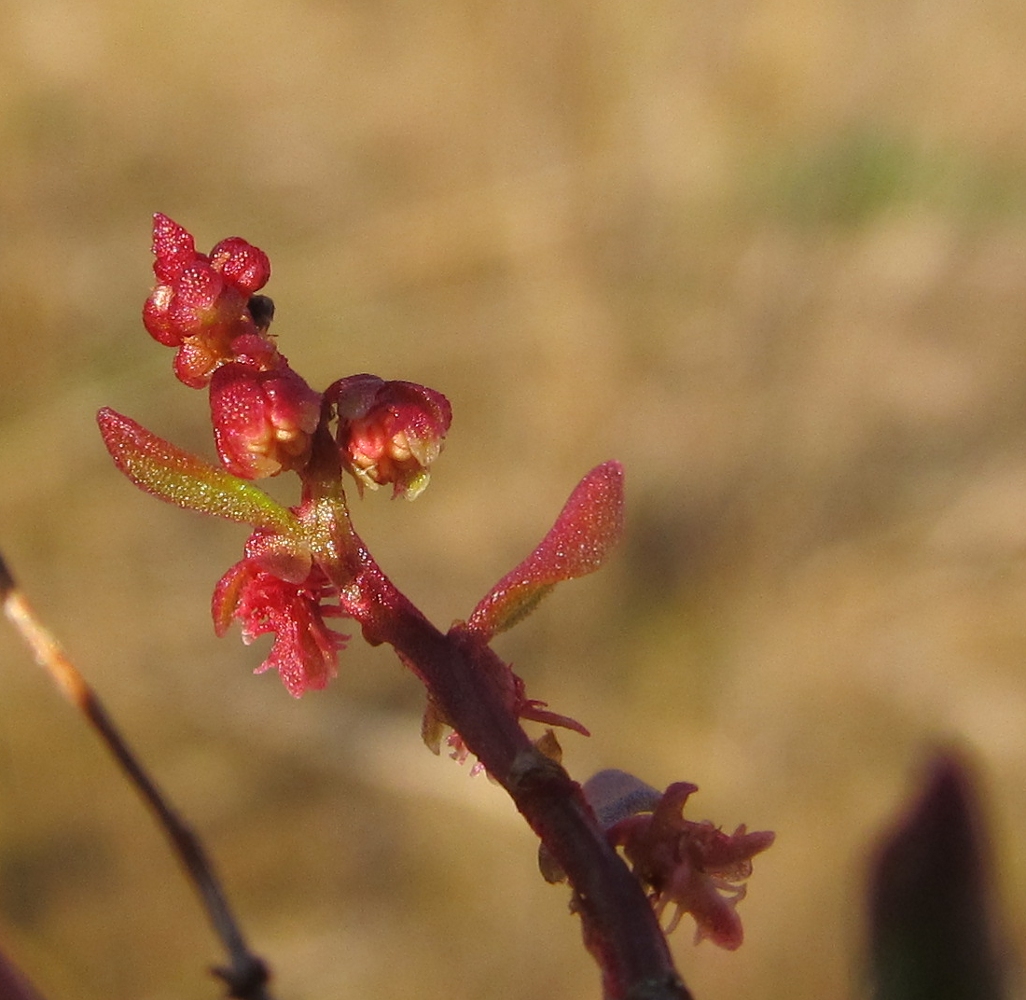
{"points": [[263, 420], [258, 352], [173, 247], [389, 432], [242, 264], [196, 360], [201, 304], [156, 319]]}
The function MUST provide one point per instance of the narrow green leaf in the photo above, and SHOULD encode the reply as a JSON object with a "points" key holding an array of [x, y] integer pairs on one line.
{"points": [[177, 477]]}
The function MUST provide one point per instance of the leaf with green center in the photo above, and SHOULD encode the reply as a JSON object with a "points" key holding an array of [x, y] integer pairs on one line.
{"points": [[173, 475], [588, 526]]}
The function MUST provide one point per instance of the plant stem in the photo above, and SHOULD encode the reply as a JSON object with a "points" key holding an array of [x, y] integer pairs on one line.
{"points": [[247, 975], [620, 928]]}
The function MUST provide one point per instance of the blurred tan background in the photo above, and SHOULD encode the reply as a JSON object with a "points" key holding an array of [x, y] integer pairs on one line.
{"points": [[770, 254]]}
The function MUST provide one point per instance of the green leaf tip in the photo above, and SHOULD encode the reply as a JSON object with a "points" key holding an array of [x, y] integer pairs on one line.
{"points": [[175, 476]]}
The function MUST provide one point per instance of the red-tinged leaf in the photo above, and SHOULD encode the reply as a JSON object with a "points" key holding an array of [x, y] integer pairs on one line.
{"points": [[170, 474], [589, 525]]}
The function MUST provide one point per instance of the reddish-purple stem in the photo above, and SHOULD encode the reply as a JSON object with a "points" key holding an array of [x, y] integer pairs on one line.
{"points": [[620, 927]]}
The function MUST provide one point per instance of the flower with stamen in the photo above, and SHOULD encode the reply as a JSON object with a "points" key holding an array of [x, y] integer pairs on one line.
{"points": [[305, 650], [695, 867], [389, 432]]}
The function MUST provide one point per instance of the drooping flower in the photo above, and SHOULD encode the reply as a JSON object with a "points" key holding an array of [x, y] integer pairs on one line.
{"points": [[695, 867], [305, 650], [263, 420], [389, 432]]}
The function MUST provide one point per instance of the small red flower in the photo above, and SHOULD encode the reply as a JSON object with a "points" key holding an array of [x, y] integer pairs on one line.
{"points": [[696, 867], [263, 420], [201, 303], [305, 650], [173, 248], [242, 264], [389, 432]]}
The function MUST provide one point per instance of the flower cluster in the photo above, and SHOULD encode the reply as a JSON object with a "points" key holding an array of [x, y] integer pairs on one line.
{"points": [[696, 867], [305, 565], [265, 419], [206, 306], [201, 302]]}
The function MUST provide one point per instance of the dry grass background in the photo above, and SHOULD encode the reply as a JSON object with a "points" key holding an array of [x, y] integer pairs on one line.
{"points": [[770, 254]]}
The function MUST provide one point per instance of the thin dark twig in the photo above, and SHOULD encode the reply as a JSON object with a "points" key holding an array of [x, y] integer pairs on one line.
{"points": [[247, 975]]}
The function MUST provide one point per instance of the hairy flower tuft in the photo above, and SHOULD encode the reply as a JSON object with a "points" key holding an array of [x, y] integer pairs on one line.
{"points": [[695, 867], [305, 650]]}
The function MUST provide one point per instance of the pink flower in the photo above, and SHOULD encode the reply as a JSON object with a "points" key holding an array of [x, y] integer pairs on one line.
{"points": [[242, 264], [305, 650], [196, 302], [263, 420], [173, 248], [201, 304], [696, 867], [389, 432]]}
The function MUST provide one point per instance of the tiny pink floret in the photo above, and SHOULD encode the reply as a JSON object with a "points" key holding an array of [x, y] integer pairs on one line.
{"points": [[305, 650], [694, 867], [389, 432]]}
